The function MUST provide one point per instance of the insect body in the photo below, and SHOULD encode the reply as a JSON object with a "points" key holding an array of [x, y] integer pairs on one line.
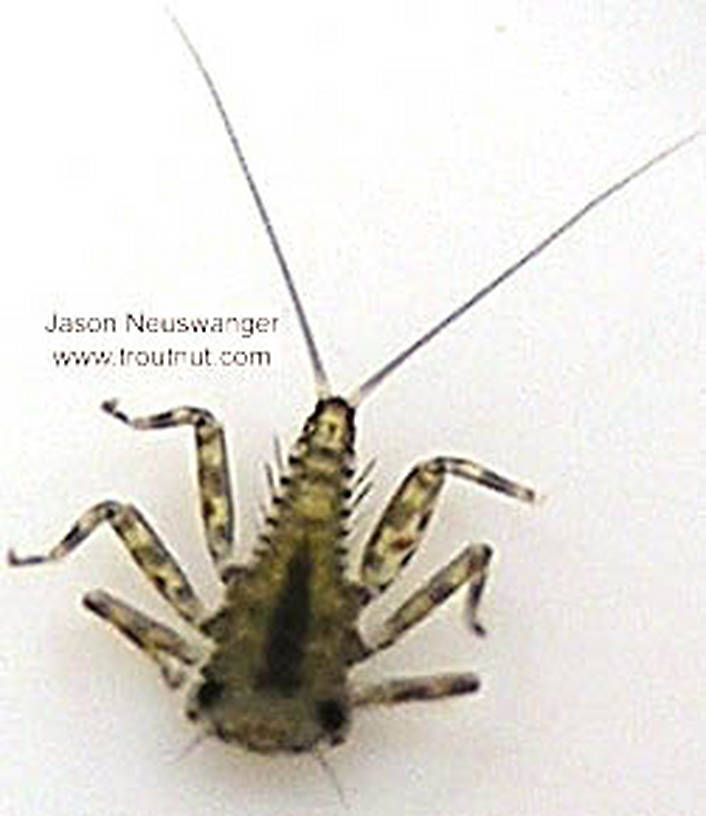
{"points": [[271, 667]]}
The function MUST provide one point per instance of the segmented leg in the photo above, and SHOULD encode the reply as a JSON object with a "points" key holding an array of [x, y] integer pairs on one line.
{"points": [[213, 479], [168, 649], [142, 543], [470, 566], [398, 533], [411, 689]]}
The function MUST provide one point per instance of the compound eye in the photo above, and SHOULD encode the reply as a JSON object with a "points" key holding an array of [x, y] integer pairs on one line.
{"points": [[210, 692], [331, 715]]}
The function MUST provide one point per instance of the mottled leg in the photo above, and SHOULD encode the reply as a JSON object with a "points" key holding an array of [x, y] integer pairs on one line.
{"points": [[169, 650], [213, 479], [470, 566], [142, 543], [412, 689], [398, 534]]}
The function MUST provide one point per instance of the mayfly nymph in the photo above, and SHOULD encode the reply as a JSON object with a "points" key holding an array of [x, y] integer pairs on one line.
{"points": [[270, 668]]}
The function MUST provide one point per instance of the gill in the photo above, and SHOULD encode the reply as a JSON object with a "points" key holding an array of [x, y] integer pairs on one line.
{"points": [[362, 391]]}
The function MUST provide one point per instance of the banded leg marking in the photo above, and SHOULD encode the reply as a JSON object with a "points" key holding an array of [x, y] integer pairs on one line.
{"points": [[415, 689], [213, 479], [162, 644], [398, 534], [143, 544], [469, 566]]}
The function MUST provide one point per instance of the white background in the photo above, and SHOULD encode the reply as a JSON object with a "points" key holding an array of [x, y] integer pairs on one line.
{"points": [[407, 153]]}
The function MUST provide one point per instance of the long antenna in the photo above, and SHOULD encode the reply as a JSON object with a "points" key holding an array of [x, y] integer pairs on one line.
{"points": [[372, 382], [323, 389]]}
